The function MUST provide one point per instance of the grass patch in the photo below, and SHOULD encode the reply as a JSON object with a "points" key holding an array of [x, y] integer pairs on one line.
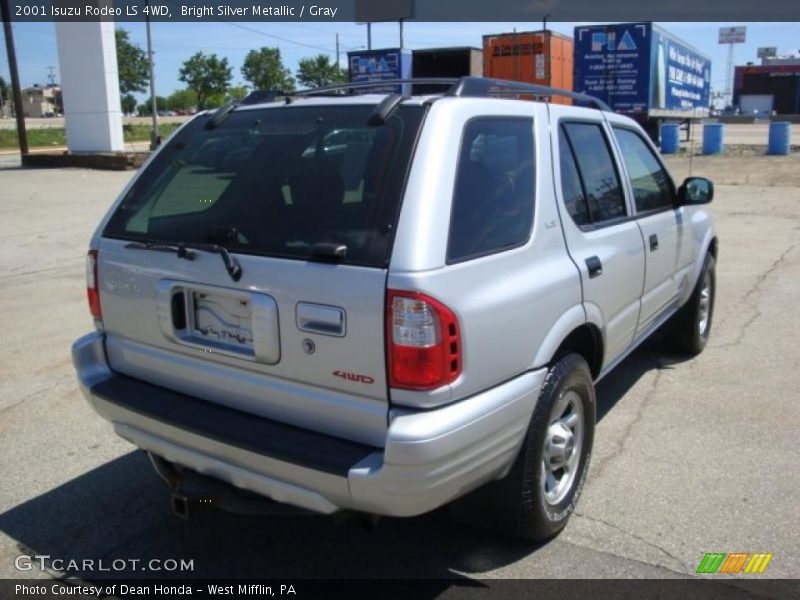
{"points": [[141, 133], [56, 136], [36, 138]]}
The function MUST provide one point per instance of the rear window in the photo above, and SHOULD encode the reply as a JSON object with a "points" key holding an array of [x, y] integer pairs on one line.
{"points": [[493, 199], [277, 182]]}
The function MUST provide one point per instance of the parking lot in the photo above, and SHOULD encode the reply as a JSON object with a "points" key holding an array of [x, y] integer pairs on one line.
{"points": [[691, 456]]}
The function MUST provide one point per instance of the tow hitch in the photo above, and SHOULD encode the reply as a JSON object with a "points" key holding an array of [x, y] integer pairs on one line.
{"points": [[192, 492]]}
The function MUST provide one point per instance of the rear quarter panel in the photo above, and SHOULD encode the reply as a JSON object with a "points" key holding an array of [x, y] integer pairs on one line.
{"points": [[506, 303]]}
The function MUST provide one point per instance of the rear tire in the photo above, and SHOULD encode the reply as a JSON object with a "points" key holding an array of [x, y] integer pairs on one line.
{"points": [[534, 501], [688, 330]]}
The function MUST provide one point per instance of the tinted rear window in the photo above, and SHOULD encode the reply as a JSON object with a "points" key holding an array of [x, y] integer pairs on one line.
{"points": [[276, 182]]}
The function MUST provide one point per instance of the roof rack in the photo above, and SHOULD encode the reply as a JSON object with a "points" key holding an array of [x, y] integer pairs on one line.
{"points": [[462, 87], [355, 85], [480, 87]]}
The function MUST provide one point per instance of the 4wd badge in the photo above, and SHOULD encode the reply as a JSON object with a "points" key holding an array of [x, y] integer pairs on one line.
{"points": [[354, 377]]}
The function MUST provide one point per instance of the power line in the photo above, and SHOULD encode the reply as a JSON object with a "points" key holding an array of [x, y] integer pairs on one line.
{"points": [[277, 37], [259, 32]]}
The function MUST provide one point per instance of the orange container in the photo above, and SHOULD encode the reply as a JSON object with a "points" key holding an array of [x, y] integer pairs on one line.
{"points": [[541, 57]]}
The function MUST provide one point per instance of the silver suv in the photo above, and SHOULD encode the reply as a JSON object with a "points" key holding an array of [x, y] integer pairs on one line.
{"points": [[383, 302]]}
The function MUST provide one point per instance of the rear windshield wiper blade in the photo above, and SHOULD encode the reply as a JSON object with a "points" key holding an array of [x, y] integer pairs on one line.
{"points": [[180, 249], [187, 251]]}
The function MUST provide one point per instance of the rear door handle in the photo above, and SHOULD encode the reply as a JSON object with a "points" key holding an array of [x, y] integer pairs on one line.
{"points": [[595, 267], [653, 242], [321, 319]]}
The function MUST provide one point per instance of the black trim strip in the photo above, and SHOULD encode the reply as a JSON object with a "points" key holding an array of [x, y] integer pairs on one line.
{"points": [[220, 423]]}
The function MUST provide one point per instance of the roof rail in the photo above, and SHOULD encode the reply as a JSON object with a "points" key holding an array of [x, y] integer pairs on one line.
{"points": [[462, 87], [481, 87], [262, 96], [357, 85]]}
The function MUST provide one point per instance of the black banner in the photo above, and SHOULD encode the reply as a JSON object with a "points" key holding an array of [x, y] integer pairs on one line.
{"points": [[425, 11], [405, 589]]}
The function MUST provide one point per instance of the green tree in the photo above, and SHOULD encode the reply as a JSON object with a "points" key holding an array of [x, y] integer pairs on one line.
{"points": [[146, 108], [264, 69], [132, 64], [237, 92], [182, 100], [319, 71], [216, 100], [207, 76], [128, 103]]}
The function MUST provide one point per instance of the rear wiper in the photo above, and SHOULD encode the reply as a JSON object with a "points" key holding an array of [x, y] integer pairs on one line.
{"points": [[233, 268], [180, 249], [187, 251]]}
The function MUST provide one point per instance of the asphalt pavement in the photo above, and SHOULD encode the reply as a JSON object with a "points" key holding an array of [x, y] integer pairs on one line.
{"points": [[691, 456]]}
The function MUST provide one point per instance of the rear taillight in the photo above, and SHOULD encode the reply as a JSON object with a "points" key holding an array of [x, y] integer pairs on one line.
{"points": [[92, 285], [423, 343]]}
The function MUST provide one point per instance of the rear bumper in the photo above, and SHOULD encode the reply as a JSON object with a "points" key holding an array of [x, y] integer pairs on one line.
{"points": [[429, 457]]}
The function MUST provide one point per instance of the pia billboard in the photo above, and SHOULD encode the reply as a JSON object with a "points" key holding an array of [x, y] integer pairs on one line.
{"points": [[380, 65], [639, 67]]}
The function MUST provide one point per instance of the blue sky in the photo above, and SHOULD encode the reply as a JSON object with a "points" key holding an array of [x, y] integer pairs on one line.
{"points": [[175, 42]]}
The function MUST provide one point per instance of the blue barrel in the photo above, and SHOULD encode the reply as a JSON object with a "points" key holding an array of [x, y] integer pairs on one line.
{"points": [[713, 138], [670, 138], [780, 135]]}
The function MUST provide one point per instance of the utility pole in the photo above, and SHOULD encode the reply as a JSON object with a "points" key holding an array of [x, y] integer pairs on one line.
{"points": [[337, 51], [51, 75], [22, 135], [369, 36], [154, 141], [401, 34]]}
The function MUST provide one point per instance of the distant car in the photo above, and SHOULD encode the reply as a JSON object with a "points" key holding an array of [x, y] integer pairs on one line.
{"points": [[48, 115], [383, 302]]}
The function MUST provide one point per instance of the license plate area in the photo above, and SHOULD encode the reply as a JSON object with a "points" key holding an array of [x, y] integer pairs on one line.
{"points": [[220, 320]]}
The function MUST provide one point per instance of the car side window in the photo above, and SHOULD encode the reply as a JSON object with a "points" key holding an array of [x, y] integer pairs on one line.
{"points": [[652, 187], [598, 175], [571, 186], [492, 206]]}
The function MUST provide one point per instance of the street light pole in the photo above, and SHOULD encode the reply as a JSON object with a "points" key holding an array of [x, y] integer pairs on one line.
{"points": [[154, 141], [22, 135]]}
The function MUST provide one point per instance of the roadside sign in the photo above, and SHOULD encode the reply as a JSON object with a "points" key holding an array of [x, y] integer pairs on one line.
{"points": [[732, 35]]}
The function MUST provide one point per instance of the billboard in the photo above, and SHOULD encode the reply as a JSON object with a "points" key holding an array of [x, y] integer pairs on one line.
{"points": [[732, 35], [680, 78], [612, 64], [767, 52], [380, 65], [636, 67]]}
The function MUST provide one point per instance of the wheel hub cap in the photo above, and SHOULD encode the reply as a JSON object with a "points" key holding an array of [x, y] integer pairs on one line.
{"points": [[705, 305], [560, 444], [562, 448]]}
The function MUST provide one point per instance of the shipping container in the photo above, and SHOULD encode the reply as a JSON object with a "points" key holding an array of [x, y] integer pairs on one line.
{"points": [[641, 70], [540, 57], [445, 62]]}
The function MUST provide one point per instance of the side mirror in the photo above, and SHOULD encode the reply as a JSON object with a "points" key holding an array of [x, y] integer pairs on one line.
{"points": [[695, 190]]}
